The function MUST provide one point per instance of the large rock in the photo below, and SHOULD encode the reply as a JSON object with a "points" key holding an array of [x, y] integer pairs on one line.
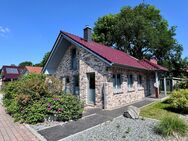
{"points": [[132, 112]]}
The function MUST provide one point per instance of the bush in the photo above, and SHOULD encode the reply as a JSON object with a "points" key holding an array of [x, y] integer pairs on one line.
{"points": [[35, 97], [179, 101], [182, 85], [65, 108], [171, 124]]}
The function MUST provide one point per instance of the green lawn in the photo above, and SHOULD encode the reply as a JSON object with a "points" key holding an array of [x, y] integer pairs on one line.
{"points": [[156, 110]]}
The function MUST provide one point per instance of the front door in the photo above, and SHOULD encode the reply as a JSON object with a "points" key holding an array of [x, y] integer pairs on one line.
{"points": [[91, 89], [148, 92]]}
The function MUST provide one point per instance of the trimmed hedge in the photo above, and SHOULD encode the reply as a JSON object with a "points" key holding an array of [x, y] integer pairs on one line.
{"points": [[34, 98]]}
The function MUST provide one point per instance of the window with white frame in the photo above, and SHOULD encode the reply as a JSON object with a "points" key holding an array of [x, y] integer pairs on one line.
{"points": [[117, 82], [139, 79], [130, 81]]}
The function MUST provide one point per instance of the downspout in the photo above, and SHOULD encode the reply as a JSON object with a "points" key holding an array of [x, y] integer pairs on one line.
{"points": [[156, 85]]}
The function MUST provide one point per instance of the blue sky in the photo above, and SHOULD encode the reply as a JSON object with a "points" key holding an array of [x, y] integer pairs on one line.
{"points": [[28, 29]]}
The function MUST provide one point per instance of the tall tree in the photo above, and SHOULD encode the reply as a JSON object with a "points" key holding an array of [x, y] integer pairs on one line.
{"points": [[44, 60], [140, 31], [25, 63]]}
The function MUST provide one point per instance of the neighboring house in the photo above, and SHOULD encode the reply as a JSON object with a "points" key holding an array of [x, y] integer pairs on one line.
{"points": [[10, 73], [101, 76], [31, 69], [186, 69]]}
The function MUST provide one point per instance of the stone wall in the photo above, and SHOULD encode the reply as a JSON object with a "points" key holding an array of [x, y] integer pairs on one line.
{"points": [[125, 96], [64, 69], [88, 63]]}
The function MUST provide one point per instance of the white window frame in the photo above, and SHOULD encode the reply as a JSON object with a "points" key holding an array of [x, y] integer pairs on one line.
{"points": [[116, 88], [129, 84]]}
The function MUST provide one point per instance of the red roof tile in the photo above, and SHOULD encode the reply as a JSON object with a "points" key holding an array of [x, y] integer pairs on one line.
{"points": [[186, 68], [32, 69], [108, 53], [152, 66], [115, 56]]}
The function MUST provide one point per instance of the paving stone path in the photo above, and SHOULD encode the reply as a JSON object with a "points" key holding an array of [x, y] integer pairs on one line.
{"points": [[11, 131]]}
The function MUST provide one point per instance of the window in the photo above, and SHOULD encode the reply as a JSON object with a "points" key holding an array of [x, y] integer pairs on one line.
{"points": [[73, 59], [130, 81], [116, 81], [67, 80], [139, 77], [12, 70], [76, 85]]}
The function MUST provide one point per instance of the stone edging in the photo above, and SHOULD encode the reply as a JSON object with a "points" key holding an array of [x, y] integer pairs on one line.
{"points": [[35, 133]]}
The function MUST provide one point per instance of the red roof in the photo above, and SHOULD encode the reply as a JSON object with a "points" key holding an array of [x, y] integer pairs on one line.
{"points": [[186, 68], [113, 55], [152, 66], [108, 53], [32, 69]]}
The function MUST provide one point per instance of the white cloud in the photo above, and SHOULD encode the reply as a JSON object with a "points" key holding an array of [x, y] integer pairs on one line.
{"points": [[4, 31]]}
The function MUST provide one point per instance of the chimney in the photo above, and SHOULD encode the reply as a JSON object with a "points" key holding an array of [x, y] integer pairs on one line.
{"points": [[153, 60], [88, 33]]}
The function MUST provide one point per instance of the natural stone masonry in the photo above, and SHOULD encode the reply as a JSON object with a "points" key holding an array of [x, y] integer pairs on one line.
{"points": [[104, 91], [10, 131]]}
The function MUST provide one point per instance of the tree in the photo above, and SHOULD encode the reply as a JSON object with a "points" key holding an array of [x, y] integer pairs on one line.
{"points": [[25, 63], [140, 31], [44, 60]]}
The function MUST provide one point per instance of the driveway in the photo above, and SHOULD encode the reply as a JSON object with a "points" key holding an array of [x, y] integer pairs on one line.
{"points": [[11, 131], [92, 118]]}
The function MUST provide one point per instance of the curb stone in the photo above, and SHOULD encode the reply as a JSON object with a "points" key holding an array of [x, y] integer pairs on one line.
{"points": [[35, 133]]}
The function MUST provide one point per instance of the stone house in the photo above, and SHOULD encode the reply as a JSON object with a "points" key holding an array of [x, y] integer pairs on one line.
{"points": [[101, 76]]}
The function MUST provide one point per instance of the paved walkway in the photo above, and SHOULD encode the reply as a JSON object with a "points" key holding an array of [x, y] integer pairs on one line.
{"points": [[93, 118], [11, 131]]}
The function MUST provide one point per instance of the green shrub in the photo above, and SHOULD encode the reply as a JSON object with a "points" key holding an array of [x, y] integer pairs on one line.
{"points": [[65, 107], [182, 85], [72, 108], [179, 101], [171, 124], [35, 97]]}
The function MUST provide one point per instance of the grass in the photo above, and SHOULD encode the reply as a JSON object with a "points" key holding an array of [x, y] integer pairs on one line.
{"points": [[170, 125], [157, 110]]}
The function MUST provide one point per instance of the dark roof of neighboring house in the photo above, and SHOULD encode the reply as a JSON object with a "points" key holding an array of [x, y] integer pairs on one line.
{"points": [[114, 56], [32, 69], [11, 75]]}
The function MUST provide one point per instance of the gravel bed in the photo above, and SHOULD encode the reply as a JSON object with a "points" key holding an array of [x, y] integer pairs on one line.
{"points": [[120, 129]]}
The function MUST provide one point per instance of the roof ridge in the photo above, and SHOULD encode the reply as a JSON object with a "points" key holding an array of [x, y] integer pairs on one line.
{"points": [[154, 65], [101, 44]]}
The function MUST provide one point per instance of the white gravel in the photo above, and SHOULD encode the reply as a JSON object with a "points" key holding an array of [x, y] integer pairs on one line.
{"points": [[120, 129]]}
